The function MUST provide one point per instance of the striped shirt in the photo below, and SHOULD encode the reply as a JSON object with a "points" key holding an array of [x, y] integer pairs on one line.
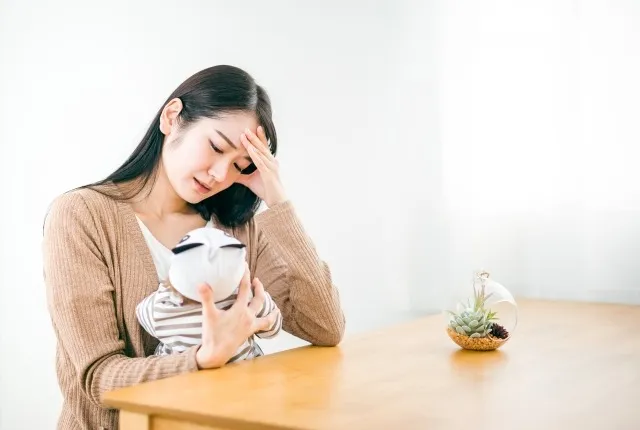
{"points": [[177, 322]]}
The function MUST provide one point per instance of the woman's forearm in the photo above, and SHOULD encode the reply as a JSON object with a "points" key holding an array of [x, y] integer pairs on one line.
{"points": [[301, 281]]}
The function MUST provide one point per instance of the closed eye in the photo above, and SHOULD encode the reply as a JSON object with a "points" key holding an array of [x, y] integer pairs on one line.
{"points": [[220, 151], [215, 148]]}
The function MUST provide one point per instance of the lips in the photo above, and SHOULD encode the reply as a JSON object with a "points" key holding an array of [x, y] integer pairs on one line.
{"points": [[202, 188]]}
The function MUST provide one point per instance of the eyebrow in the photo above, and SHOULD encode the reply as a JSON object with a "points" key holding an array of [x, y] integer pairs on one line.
{"points": [[231, 143], [227, 139]]}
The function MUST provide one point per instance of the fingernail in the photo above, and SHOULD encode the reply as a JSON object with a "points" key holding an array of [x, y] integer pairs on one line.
{"points": [[259, 128]]}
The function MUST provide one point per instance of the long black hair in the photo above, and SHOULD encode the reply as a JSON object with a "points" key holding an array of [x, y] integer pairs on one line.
{"points": [[208, 93]]}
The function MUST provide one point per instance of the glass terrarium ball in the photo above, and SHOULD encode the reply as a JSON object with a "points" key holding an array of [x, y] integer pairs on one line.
{"points": [[485, 315]]}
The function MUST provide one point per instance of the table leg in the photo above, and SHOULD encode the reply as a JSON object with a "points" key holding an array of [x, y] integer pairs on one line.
{"points": [[134, 421], [138, 421]]}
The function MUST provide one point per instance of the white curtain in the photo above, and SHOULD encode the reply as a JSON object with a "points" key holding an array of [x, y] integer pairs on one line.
{"points": [[533, 168]]}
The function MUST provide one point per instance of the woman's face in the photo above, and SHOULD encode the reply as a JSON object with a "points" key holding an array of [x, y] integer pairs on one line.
{"points": [[207, 156]]}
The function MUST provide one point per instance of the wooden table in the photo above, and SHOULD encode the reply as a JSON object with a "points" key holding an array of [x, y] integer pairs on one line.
{"points": [[569, 365]]}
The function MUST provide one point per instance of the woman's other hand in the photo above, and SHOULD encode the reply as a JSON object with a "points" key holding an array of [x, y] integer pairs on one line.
{"points": [[265, 181], [223, 331]]}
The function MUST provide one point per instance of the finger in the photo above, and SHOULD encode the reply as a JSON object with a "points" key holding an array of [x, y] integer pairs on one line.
{"points": [[257, 140], [244, 139], [209, 309], [259, 299], [267, 157], [266, 323], [263, 137], [260, 145], [244, 290], [257, 158]]}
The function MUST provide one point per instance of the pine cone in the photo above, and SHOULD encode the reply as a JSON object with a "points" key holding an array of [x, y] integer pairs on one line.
{"points": [[498, 331]]}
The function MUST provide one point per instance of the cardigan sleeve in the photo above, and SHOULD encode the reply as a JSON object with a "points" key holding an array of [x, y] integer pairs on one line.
{"points": [[80, 300], [297, 279]]}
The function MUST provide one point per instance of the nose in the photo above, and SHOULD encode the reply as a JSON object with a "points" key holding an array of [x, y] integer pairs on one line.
{"points": [[219, 170]]}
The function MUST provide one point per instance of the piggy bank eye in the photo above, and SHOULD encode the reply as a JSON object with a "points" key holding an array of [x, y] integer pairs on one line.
{"points": [[234, 245], [184, 239], [182, 248]]}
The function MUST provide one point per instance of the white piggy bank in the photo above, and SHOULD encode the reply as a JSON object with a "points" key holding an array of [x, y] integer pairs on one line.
{"points": [[207, 255]]}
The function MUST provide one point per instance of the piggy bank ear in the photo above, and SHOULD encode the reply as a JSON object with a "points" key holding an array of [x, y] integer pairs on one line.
{"points": [[182, 248]]}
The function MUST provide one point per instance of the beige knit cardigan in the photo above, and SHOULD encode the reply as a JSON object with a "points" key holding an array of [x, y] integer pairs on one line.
{"points": [[97, 268]]}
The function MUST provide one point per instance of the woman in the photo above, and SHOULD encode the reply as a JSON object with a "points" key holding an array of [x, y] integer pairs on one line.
{"points": [[208, 155]]}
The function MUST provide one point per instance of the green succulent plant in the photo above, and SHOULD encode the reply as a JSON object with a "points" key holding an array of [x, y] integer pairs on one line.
{"points": [[473, 319]]}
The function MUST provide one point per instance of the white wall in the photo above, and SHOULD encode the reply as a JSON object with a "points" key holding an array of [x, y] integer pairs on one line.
{"points": [[81, 82], [538, 107], [445, 136]]}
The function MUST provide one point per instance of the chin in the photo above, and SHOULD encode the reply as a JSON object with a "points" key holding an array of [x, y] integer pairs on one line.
{"points": [[191, 196], [195, 197], [193, 201]]}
